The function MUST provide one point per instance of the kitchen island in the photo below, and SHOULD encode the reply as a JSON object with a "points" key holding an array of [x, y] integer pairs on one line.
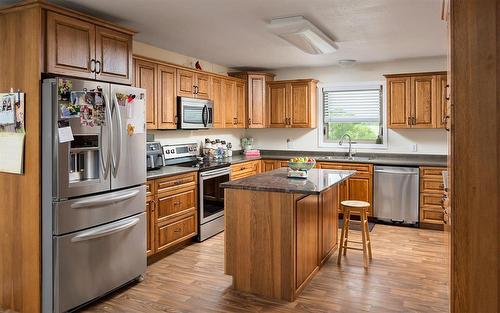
{"points": [[279, 230]]}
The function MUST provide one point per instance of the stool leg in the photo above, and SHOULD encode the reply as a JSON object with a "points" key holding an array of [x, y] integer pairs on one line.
{"points": [[341, 243], [347, 216], [363, 236], [367, 229]]}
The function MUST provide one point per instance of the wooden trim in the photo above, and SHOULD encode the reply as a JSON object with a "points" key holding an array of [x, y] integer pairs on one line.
{"points": [[20, 205], [66, 11], [415, 74], [305, 80]]}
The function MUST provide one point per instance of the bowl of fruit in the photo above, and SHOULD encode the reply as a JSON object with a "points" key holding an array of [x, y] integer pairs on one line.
{"points": [[301, 163]]}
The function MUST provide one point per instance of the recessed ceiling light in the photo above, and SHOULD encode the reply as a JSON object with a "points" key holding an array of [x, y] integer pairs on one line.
{"points": [[302, 34]]}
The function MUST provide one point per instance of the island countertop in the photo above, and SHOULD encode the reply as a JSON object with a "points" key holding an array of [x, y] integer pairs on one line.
{"points": [[317, 181]]}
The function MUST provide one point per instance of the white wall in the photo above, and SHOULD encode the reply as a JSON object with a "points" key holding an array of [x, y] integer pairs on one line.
{"points": [[186, 136], [428, 141]]}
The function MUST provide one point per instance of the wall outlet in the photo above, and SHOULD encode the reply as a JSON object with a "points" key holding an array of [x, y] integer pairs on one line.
{"points": [[289, 144], [413, 147]]}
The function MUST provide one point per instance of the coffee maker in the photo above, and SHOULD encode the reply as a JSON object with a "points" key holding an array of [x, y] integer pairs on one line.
{"points": [[154, 155]]}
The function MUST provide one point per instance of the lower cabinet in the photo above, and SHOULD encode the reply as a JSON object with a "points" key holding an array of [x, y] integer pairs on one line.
{"points": [[328, 216], [432, 196], [171, 210]]}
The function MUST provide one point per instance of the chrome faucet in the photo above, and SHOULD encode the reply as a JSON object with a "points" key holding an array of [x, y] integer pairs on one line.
{"points": [[349, 156]]}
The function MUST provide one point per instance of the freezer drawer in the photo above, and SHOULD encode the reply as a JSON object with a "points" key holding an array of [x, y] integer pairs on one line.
{"points": [[396, 194], [92, 262], [85, 212]]}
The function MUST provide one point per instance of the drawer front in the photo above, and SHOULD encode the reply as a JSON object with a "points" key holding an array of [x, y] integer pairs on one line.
{"points": [[431, 185], [435, 172], [360, 168], [282, 164], [243, 175], [171, 184], [432, 215], [247, 167], [173, 205], [330, 166], [172, 233], [430, 199]]}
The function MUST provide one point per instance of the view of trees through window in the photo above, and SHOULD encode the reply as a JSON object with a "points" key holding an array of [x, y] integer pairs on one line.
{"points": [[367, 132]]}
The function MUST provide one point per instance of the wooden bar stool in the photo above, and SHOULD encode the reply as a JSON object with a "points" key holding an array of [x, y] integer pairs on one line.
{"points": [[361, 207]]}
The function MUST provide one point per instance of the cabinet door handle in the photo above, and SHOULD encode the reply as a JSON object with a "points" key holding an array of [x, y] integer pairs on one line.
{"points": [[249, 121], [92, 66], [414, 120], [197, 89], [194, 89], [98, 67], [445, 122], [447, 94], [409, 120]]}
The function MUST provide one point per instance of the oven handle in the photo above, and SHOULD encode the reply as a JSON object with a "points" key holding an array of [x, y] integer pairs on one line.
{"points": [[105, 230], [215, 173]]}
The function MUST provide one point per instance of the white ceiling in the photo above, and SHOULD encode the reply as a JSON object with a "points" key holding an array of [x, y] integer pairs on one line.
{"points": [[233, 32]]}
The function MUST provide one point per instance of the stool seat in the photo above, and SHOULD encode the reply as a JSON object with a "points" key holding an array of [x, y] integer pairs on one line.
{"points": [[360, 207], [355, 204]]}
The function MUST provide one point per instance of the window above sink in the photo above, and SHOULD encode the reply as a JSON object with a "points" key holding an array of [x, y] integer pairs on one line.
{"points": [[357, 109]]}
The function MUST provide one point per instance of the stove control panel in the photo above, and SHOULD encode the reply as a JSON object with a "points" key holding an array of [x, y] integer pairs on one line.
{"points": [[180, 151]]}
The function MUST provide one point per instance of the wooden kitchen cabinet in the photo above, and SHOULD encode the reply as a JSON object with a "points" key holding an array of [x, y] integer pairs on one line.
{"points": [[234, 103], [78, 48], [357, 187], [218, 102], [166, 98], [256, 96], [432, 195], [146, 77], [292, 103], [306, 252], [240, 105], [171, 206], [329, 209], [192, 84], [113, 56], [415, 100], [441, 101]]}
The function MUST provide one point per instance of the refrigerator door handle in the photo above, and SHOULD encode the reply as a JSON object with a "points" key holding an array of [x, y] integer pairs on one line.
{"points": [[105, 200], [116, 158], [105, 230], [105, 164]]}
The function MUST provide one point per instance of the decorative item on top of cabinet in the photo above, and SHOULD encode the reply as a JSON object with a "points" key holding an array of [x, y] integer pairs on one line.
{"points": [[83, 49], [256, 96], [292, 103], [414, 100]]}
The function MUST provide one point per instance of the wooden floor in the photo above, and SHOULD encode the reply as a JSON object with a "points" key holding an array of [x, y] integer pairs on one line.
{"points": [[407, 274]]}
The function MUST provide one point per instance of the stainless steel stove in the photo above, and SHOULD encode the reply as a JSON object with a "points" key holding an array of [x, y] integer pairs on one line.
{"points": [[211, 174]]}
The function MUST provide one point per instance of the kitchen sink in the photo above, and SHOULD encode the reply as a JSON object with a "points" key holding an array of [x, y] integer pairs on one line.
{"points": [[345, 158]]}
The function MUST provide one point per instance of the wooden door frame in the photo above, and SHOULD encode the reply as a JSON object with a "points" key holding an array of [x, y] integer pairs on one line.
{"points": [[475, 158]]}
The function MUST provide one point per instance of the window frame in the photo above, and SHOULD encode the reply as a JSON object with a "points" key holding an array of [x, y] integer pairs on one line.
{"points": [[322, 143]]}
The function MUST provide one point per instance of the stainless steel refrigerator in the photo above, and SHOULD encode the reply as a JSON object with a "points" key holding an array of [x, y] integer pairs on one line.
{"points": [[93, 192]]}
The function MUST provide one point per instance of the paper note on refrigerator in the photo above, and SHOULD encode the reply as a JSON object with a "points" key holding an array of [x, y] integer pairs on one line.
{"points": [[11, 152]]}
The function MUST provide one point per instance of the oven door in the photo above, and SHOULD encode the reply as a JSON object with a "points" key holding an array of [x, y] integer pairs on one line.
{"points": [[211, 194], [195, 113]]}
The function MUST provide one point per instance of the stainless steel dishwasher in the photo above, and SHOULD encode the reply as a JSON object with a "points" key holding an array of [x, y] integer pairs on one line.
{"points": [[396, 194]]}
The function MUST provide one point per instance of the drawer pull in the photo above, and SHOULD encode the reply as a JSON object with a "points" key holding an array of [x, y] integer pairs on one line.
{"points": [[105, 230], [177, 203], [177, 230]]}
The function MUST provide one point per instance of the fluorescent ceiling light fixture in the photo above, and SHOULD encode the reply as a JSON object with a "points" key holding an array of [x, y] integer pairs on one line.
{"points": [[303, 34]]}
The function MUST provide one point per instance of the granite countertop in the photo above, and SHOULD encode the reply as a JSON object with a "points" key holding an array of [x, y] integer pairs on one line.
{"points": [[170, 170], [317, 181]]}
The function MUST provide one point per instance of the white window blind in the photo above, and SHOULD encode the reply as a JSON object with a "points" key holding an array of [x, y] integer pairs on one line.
{"points": [[352, 106]]}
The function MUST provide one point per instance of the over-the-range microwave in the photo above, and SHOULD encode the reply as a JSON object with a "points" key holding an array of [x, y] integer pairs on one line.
{"points": [[194, 113]]}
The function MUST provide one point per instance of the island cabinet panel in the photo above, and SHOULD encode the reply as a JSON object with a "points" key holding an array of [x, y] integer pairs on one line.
{"points": [[276, 241], [329, 207], [306, 234]]}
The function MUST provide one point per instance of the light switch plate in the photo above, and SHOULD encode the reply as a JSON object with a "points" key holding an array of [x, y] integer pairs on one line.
{"points": [[413, 147]]}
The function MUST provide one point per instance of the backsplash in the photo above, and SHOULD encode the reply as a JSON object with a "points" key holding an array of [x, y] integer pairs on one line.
{"points": [[167, 137]]}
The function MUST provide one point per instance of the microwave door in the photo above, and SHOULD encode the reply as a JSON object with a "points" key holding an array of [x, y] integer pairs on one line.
{"points": [[193, 116], [80, 166], [129, 136]]}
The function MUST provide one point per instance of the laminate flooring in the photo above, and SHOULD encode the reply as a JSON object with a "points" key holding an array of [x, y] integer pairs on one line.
{"points": [[408, 273]]}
